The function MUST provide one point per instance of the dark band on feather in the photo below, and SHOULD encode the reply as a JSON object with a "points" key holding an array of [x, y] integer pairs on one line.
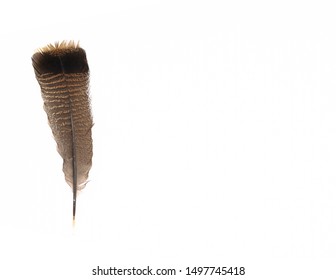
{"points": [[73, 61]]}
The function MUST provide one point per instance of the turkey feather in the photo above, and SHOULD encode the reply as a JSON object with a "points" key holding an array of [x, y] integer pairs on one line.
{"points": [[62, 72]]}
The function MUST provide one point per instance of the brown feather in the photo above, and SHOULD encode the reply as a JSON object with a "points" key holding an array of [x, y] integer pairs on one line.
{"points": [[62, 72]]}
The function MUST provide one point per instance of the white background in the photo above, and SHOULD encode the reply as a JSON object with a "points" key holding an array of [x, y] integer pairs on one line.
{"points": [[214, 140]]}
